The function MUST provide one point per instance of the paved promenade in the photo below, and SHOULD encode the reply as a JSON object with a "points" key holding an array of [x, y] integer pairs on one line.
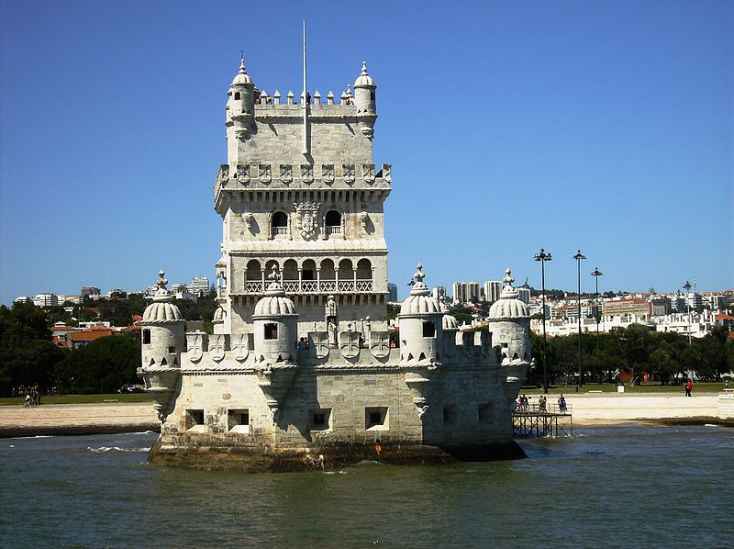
{"points": [[610, 408], [588, 409]]}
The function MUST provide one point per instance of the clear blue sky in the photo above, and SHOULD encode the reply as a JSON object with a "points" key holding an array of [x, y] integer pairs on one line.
{"points": [[607, 126]]}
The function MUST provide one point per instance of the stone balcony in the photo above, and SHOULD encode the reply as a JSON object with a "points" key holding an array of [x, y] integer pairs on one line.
{"points": [[352, 286]]}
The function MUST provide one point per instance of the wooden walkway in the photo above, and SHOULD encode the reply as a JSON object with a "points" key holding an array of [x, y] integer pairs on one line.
{"points": [[534, 421]]}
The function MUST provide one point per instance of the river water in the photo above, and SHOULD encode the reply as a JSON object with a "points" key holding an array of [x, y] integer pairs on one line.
{"points": [[604, 487]]}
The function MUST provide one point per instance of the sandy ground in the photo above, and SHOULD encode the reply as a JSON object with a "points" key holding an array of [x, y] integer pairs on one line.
{"points": [[587, 409], [615, 408], [50, 419]]}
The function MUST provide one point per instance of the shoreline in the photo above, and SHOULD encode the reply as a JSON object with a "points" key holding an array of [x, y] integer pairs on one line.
{"points": [[588, 411]]}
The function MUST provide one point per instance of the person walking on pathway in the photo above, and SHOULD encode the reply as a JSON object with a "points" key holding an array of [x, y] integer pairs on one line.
{"points": [[689, 387]]}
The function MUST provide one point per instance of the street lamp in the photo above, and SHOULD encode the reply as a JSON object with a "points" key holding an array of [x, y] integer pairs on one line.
{"points": [[596, 273], [579, 257], [687, 287], [542, 256]]}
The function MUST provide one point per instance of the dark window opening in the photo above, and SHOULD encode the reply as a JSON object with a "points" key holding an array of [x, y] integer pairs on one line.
{"points": [[280, 219], [333, 219], [308, 274], [237, 96], [321, 420], [271, 331], [146, 337], [172, 350], [164, 362], [238, 417], [429, 329], [372, 96], [376, 419], [422, 356], [195, 417]]}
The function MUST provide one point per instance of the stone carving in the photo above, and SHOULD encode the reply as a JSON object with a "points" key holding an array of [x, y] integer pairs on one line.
{"points": [[348, 173], [364, 221], [308, 215], [195, 345], [243, 174], [249, 220], [286, 173], [307, 173], [320, 342], [331, 329], [327, 173], [330, 306], [368, 172], [379, 344], [387, 172], [265, 173], [349, 343], [240, 347], [216, 347]]}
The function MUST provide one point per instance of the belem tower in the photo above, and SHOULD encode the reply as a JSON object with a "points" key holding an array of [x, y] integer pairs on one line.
{"points": [[303, 369]]}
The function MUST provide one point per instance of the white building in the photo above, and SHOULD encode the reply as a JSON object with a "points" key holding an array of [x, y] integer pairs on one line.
{"points": [[492, 290], [46, 300]]}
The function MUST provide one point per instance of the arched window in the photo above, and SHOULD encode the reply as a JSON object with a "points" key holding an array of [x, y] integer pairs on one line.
{"points": [[253, 270], [364, 269], [333, 222], [309, 270], [279, 224]]}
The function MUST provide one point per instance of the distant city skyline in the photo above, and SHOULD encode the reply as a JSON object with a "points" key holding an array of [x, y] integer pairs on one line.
{"points": [[510, 128]]}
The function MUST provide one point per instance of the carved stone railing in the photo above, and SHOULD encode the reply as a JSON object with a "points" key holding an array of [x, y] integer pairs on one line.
{"points": [[256, 287]]}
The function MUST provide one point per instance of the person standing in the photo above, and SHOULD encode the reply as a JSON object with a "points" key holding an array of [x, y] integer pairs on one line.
{"points": [[689, 387]]}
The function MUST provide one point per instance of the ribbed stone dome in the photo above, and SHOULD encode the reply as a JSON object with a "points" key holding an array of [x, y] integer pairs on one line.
{"points": [[274, 302], [162, 310], [242, 78], [449, 323], [508, 306], [364, 79], [508, 309], [420, 300]]}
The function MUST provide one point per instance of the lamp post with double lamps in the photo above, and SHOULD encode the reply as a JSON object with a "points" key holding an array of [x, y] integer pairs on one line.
{"points": [[579, 257], [542, 256]]}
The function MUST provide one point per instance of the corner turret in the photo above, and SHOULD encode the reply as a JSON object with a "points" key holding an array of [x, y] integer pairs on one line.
{"points": [[420, 323], [365, 99], [163, 341], [240, 112]]}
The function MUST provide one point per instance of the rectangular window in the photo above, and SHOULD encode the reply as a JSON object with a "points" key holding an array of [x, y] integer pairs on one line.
{"points": [[321, 420], [449, 414], [271, 331], [146, 337], [485, 412], [194, 418], [238, 421], [429, 329], [376, 419], [172, 350]]}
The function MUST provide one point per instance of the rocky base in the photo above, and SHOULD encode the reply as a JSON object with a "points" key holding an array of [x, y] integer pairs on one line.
{"points": [[258, 460], [68, 430]]}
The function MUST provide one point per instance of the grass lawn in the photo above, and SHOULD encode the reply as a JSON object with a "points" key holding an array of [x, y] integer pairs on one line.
{"points": [[82, 399], [634, 389]]}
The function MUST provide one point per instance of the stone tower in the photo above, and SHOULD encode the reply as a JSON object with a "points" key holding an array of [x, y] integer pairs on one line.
{"points": [[300, 192]]}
